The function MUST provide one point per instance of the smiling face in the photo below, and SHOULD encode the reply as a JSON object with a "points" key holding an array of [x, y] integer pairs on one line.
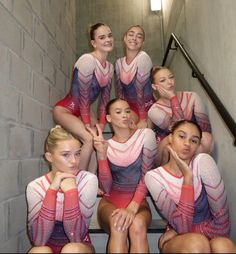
{"points": [[65, 156], [164, 78], [185, 140], [103, 39], [134, 38], [119, 114]]}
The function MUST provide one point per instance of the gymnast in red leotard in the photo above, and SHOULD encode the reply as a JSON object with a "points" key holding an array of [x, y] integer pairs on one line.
{"points": [[172, 106], [189, 193], [133, 76], [91, 79], [123, 162]]}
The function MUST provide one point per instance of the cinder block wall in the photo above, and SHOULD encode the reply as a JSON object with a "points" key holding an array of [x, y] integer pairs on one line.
{"points": [[37, 52], [38, 48]]}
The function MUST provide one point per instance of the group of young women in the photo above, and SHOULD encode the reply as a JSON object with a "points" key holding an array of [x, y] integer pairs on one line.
{"points": [[162, 146]]}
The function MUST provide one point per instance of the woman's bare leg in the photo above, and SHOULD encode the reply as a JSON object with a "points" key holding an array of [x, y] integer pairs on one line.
{"points": [[187, 243], [117, 242], [138, 230], [162, 152], [73, 124], [222, 245], [40, 249], [78, 248], [207, 143]]}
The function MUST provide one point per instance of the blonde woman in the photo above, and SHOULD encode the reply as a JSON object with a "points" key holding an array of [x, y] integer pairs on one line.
{"points": [[172, 106], [61, 203]]}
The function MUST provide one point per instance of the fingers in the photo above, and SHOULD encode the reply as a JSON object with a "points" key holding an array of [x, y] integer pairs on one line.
{"points": [[99, 130], [173, 153], [123, 219], [91, 131], [96, 133], [59, 177]]}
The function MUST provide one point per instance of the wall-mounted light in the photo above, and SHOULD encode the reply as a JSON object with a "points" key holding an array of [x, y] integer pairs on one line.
{"points": [[155, 5]]}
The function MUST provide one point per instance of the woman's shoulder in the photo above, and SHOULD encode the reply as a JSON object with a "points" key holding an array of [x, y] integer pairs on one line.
{"points": [[143, 55], [203, 159], [143, 62], [119, 61], [38, 181], [85, 61], [149, 137]]}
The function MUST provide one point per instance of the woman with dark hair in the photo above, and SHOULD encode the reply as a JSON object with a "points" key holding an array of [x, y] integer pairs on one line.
{"points": [[92, 77], [189, 193], [123, 160]]}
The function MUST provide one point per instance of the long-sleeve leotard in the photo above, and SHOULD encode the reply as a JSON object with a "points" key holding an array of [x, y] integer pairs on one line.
{"points": [[56, 218], [134, 83], [186, 105], [89, 79], [122, 174], [201, 207]]}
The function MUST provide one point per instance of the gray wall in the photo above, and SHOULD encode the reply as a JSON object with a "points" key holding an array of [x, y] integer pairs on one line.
{"points": [[38, 48], [207, 30], [37, 51]]}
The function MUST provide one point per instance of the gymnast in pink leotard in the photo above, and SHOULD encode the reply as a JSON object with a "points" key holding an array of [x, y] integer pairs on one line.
{"points": [[61, 202], [189, 193], [123, 162], [91, 80], [172, 106], [133, 82]]}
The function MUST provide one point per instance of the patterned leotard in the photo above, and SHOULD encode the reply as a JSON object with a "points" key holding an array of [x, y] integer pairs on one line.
{"points": [[89, 79], [122, 174], [200, 208], [186, 105], [134, 83], [56, 218]]}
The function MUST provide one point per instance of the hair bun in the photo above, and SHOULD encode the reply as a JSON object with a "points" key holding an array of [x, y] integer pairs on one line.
{"points": [[56, 127]]}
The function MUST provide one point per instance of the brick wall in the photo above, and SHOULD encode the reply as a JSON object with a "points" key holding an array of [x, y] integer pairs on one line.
{"points": [[37, 52]]}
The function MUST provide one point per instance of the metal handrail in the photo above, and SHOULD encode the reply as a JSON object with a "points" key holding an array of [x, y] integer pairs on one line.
{"points": [[229, 121]]}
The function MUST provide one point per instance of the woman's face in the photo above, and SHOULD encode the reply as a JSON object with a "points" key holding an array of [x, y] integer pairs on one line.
{"points": [[65, 156], [134, 38], [165, 79], [103, 39], [185, 140], [120, 114]]}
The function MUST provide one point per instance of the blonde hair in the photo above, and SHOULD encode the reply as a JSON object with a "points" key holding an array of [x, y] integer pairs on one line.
{"points": [[138, 27], [155, 70], [55, 135]]}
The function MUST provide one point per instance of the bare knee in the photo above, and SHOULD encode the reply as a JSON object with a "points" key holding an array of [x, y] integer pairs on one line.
{"points": [[207, 142], [40, 249], [222, 245], [77, 248], [197, 243], [187, 243], [138, 228]]}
